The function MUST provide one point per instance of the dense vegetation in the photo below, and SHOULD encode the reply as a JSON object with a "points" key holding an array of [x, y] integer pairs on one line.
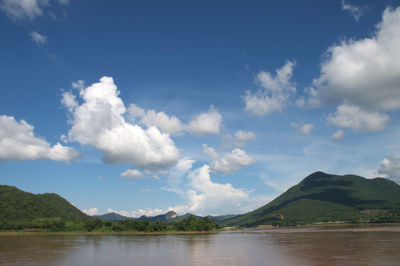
{"points": [[21, 210], [322, 198], [190, 223]]}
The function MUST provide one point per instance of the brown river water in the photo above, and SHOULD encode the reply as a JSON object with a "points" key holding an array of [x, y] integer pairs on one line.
{"points": [[226, 248]]}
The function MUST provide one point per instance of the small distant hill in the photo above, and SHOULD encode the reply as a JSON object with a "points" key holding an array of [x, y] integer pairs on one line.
{"points": [[322, 197], [112, 217], [17, 206]]}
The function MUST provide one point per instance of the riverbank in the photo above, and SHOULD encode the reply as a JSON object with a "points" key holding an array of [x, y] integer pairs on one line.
{"points": [[324, 229], [16, 233]]}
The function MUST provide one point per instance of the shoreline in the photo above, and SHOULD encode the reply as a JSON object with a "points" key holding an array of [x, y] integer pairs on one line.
{"points": [[316, 228], [335, 228], [22, 233]]}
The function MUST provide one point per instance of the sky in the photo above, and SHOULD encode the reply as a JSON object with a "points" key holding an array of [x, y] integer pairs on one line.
{"points": [[207, 107]]}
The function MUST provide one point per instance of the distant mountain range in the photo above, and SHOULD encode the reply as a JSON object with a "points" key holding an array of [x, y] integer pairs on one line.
{"points": [[170, 216], [114, 217], [322, 197]]}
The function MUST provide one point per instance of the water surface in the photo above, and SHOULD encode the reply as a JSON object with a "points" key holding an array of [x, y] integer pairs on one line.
{"points": [[229, 248]]}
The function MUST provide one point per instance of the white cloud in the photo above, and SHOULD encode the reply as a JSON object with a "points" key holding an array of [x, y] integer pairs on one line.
{"points": [[177, 174], [338, 135], [99, 121], [68, 99], [355, 11], [132, 174], [91, 211], [23, 9], [79, 84], [243, 136], [168, 124], [38, 38], [390, 168], [138, 213], [301, 102], [349, 116], [364, 72], [202, 124], [123, 213], [304, 129], [180, 169], [275, 93], [146, 190], [63, 2], [229, 162], [18, 142], [206, 123], [207, 197]]}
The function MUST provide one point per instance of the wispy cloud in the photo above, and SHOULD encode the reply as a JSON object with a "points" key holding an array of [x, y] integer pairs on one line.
{"points": [[38, 38], [355, 11]]}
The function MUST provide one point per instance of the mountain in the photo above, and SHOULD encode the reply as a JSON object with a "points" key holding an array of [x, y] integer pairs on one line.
{"points": [[19, 206], [167, 217], [322, 197], [220, 218], [170, 216], [112, 217]]}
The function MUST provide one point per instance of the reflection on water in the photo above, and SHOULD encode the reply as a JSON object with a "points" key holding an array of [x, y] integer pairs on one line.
{"points": [[327, 248]]}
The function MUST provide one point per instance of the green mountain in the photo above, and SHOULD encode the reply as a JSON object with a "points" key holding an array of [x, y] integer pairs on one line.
{"points": [[167, 217], [17, 206], [112, 217], [322, 197]]}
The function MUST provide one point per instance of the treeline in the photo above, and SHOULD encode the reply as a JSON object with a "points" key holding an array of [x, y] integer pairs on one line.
{"points": [[57, 224]]}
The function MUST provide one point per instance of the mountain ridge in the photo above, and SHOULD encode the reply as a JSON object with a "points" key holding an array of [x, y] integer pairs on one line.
{"points": [[322, 197]]}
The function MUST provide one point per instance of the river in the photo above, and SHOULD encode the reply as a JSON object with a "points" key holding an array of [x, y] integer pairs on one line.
{"points": [[226, 248]]}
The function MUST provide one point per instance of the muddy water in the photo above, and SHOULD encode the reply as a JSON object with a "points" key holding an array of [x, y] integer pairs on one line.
{"points": [[306, 248]]}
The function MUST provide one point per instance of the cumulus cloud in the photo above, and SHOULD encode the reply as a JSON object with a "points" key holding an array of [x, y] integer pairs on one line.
{"points": [[18, 142], [202, 124], [354, 10], [91, 211], [390, 168], [350, 116], [275, 93], [168, 124], [207, 196], [243, 136], [206, 123], [97, 119], [132, 174], [338, 135], [204, 197], [364, 72], [38, 38], [229, 162]]}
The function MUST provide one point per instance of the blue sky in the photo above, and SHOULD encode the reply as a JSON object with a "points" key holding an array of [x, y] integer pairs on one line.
{"points": [[208, 107]]}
